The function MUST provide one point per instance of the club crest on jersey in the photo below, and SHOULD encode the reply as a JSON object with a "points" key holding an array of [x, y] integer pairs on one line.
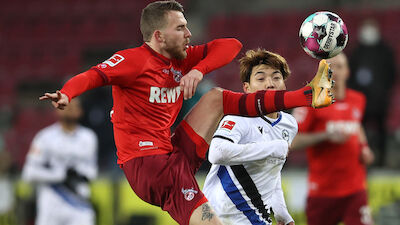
{"points": [[228, 125], [165, 71], [113, 60], [285, 135], [177, 74], [189, 194]]}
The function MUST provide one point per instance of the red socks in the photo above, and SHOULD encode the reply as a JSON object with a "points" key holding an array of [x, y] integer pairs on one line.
{"points": [[264, 102]]}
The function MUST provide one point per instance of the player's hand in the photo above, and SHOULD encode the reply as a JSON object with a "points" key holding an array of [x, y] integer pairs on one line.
{"points": [[367, 157], [58, 99], [189, 83]]}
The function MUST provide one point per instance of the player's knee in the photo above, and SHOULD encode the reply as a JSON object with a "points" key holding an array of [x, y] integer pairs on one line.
{"points": [[214, 98]]}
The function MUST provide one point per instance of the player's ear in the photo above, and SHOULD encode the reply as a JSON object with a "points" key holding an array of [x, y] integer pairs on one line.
{"points": [[158, 35], [246, 87]]}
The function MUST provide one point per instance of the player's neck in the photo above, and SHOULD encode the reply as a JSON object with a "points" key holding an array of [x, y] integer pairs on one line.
{"points": [[339, 91], [68, 127], [273, 115], [157, 48]]}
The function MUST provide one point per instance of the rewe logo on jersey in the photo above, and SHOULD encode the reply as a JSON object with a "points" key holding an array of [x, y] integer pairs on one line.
{"points": [[114, 60], [346, 126], [164, 95]]}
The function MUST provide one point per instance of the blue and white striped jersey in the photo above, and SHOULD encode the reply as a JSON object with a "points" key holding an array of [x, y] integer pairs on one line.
{"points": [[248, 154]]}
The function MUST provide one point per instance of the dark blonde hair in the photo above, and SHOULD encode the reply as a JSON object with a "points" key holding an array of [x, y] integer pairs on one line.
{"points": [[253, 58], [154, 16]]}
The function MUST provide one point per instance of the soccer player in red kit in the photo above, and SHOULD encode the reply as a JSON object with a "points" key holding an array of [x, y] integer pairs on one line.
{"points": [[337, 152], [149, 84]]}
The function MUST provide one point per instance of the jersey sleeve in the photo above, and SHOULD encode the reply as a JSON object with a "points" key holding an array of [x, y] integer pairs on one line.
{"points": [[226, 147], [40, 166], [304, 117], [122, 68], [230, 128], [212, 55]]}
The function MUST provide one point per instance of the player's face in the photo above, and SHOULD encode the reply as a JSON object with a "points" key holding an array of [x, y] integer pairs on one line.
{"points": [[340, 69], [264, 77], [72, 113], [176, 35]]}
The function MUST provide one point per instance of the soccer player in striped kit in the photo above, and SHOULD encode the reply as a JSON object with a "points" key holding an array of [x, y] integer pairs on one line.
{"points": [[150, 83], [62, 160], [248, 153]]}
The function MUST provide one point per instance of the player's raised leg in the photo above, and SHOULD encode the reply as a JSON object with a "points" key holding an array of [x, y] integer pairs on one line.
{"points": [[205, 115]]}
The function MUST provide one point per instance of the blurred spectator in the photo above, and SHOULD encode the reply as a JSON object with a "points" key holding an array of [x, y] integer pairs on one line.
{"points": [[62, 159], [373, 73]]}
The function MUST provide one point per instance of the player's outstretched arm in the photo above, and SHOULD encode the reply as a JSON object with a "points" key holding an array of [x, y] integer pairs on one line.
{"points": [[225, 152], [74, 87], [58, 99], [218, 53], [304, 140]]}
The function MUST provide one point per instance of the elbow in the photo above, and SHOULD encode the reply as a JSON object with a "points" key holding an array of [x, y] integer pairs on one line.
{"points": [[235, 45], [216, 154], [215, 158], [238, 44]]}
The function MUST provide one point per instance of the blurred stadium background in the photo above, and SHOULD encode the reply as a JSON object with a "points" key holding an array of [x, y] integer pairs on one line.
{"points": [[44, 42]]}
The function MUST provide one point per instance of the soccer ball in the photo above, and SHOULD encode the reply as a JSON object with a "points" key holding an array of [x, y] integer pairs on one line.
{"points": [[323, 35]]}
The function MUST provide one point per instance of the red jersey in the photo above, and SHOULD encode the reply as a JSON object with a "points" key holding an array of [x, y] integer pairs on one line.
{"points": [[146, 93], [335, 169]]}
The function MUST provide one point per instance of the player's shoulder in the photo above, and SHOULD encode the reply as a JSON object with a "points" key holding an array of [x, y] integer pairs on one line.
{"points": [[289, 117], [235, 123], [49, 130], [355, 95], [233, 118], [290, 121], [132, 51], [47, 133], [240, 120], [87, 132], [133, 55]]}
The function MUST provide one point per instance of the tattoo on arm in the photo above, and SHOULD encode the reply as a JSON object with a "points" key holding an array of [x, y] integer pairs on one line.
{"points": [[206, 213]]}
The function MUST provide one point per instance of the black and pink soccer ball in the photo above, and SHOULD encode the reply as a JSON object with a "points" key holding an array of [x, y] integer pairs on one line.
{"points": [[323, 35]]}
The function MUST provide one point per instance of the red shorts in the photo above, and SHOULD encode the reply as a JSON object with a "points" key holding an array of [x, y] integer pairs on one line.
{"points": [[168, 180], [351, 210]]}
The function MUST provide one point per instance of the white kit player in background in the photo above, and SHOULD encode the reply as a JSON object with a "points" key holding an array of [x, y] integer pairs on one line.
{"points": [[61, 161], [248, 153]]}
